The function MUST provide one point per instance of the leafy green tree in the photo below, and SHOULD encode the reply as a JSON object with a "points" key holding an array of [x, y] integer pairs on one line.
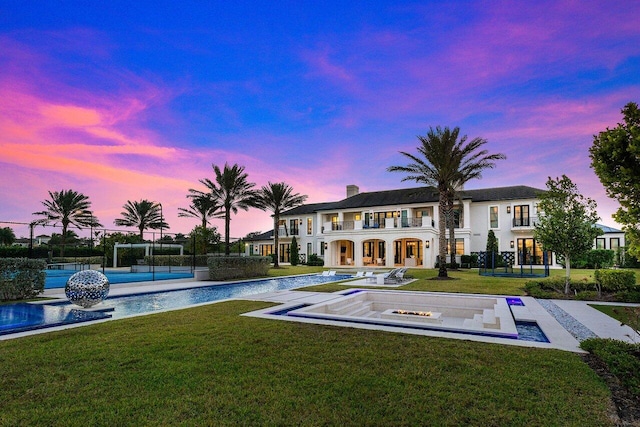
{"points": [[70, 208], [615, 158], [278, 197], [7, 236], [205, 237], [142, 215], [446, 163], [566, 222], [294, 255], [233, 191]]}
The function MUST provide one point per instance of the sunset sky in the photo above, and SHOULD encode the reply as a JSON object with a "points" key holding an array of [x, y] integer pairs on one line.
{"points": [[135, 100]]}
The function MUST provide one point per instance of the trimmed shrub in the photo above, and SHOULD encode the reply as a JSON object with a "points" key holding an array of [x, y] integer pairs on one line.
{"points": [[21, 278], [176, 260], [226, 268], [315, 260], [615, 280], [632, 295]]}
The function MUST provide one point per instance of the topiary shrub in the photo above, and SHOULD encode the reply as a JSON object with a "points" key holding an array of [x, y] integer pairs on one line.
{"points": [[226, 268], [615, 280], [21, 278]]}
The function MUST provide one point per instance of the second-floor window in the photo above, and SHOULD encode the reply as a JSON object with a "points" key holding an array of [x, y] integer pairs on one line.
{"points": [[493, 217], [293, 227], [309, 226], [521, 216]]}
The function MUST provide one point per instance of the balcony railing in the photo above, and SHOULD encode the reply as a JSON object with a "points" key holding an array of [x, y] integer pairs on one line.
{"points": [[525, 221], [387, 223], [342, 225], [285, 232]]}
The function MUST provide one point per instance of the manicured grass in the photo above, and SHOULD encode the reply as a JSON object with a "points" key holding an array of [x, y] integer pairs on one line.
{"points": [[289, 270], [210, 366], [626, 315]]}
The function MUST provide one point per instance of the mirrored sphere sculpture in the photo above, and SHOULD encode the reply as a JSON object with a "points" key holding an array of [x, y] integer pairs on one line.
{"points": [[87, 288]]}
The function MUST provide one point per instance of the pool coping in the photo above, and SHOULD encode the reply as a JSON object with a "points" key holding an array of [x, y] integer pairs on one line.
{"points": [[559, 338]]}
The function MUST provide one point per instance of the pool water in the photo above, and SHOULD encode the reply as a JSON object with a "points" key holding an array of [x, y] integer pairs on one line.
{"points": [[27, 317], [22, 316], [58, 278]]}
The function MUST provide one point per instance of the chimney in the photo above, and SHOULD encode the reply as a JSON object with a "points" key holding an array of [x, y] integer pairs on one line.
{"points": [[352, 190]]}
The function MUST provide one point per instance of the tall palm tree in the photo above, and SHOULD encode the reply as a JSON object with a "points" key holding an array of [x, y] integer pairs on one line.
{"points": [[70, 208], [233, 192], [203, 207], [446, 163], [143, 214], [278, 197]]}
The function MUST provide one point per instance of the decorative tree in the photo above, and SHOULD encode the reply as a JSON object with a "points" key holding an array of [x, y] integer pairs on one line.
{"points": [[615, 159], [143, 214], [203, 207], [232, 191], [278, 197], [7, 236], [294, 252], [566, 222], [492, 249], [447, 164], [70, 208]]}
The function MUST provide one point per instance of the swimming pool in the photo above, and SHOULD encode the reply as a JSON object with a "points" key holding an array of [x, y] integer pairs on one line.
{"points": [[58, 278], [23, 317]]}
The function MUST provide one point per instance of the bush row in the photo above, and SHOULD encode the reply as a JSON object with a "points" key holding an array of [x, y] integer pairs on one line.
{"points": [[619, 285], [615, 280], [177, 260], [225, 268], [21, 278]]}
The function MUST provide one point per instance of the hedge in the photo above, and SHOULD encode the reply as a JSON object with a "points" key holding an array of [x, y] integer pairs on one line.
{"points": [[176, 260], [615, 280], [21, 278], [225, 268]]}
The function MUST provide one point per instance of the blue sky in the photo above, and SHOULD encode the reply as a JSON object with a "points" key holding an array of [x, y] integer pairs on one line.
{"points": [[131, 100]]}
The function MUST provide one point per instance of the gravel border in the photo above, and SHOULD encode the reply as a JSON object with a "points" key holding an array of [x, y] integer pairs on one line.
{"points": [[575, 328]]}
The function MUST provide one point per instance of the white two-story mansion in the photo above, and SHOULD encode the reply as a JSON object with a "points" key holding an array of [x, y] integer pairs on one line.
{"points": [[400, 227]]}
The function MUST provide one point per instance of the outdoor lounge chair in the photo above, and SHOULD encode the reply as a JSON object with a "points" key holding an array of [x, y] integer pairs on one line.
{"points": [[332, 273], [360, 274]]}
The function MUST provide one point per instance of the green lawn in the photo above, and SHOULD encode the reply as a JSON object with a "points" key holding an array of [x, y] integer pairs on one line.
{"points": [[627, 315], [210, 366]]}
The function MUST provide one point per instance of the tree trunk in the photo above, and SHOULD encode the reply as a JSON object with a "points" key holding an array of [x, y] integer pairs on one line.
{"points": [[567, 277], [227, 221], [452, 232], [276, 240], [442, 238], [63, 240]]}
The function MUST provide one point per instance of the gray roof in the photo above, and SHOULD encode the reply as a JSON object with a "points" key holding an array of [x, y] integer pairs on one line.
{"points": [[407, 196], [267, 235], [607, 229]]}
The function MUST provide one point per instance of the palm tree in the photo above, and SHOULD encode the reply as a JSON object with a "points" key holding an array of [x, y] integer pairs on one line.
{"points": [[278, 197], [70, 208], [203, 206], [143, 214], [446, 164], [233, 192]]}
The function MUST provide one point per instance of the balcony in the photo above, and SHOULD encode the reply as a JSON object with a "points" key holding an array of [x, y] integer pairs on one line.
{"points": [[372, 226], [288, 232], [524, 222]]}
